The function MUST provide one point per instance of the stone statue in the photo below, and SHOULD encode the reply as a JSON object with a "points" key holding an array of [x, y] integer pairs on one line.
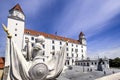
{"points": [[33, 68]]}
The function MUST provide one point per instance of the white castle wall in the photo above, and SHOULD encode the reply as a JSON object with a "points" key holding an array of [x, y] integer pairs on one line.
{"points": [[48, 48]]}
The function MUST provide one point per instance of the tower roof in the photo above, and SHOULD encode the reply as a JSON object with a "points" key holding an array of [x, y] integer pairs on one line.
{"points": [[17, 7], [82, 34]]}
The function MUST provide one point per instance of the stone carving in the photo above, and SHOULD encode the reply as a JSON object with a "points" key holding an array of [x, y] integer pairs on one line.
{"points": [[32, 66]]}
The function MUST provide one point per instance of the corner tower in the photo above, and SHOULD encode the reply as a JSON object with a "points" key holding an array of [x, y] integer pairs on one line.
{"points": [[16, 23], [82, 39]]}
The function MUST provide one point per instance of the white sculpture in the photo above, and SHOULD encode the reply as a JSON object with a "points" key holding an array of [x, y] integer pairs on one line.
{"points": [[35, 68]]}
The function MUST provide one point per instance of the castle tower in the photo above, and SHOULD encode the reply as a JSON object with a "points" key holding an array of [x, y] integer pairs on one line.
{"points": [[82, 39], [16, 23]]}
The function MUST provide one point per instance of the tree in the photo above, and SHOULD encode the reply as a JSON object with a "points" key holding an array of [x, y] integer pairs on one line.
{"points": [[114, 62]]}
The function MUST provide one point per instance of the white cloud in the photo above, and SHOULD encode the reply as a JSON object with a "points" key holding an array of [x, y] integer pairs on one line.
{"points": [[34, 7], [88, 16], [111, 53]]}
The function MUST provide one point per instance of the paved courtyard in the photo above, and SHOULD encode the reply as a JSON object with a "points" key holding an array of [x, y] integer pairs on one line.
{"points": [[77, 73]]}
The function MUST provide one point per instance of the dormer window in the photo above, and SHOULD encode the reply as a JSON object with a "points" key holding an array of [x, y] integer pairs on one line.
{"points": [[28, 32]]}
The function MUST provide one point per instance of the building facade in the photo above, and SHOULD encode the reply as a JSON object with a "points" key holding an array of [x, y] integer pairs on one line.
{"points": [[93, 63], [76, 49]]}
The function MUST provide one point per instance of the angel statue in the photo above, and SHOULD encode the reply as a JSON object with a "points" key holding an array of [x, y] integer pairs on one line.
{"points": [[35, 68]]}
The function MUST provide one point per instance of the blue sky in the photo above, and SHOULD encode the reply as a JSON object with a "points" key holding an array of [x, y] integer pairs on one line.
{"points": [[98, 19]]}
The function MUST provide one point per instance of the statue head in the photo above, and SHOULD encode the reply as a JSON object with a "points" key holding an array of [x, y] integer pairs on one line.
{"points": [[40, 39]]}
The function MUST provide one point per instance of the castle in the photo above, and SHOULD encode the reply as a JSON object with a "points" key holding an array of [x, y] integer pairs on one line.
{"points": [[76, 49]]}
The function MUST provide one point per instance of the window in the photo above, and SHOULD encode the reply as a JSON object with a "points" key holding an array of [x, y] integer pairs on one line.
{"points": [[95, 63], [53, 53], [72, 61], [92, 63], [32, 44], [103, 62], [66, 49], [60, 43], [53, 47], [28, 32], [76, 55], [43, 53], [72, 44], [15, 34], [32, 38], [82, 50], [68, 62], [67, 54], [43, 46], [60, 47], [76, 45], [35, 40], [43, 59], [15, 29], [53, 41], [76, 50], [66, 44], [81, 46], [72, 49], [72, 55]]}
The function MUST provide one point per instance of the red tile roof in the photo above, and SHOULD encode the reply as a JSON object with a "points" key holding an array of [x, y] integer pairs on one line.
{"points": [[17, 7], [2, 62], [51, 36]]}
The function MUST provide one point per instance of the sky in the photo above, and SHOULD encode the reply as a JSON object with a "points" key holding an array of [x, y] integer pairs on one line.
{"points": [[99, 20]]}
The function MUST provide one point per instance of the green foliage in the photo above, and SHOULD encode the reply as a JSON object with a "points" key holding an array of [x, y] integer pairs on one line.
{"points": [[115, 62]]}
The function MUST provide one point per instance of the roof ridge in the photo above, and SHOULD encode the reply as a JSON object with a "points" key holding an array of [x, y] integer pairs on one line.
{"points": [[52, 36]]}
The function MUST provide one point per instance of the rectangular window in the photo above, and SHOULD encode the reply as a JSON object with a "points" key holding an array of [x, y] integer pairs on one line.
{"points": [[81, 46], [32, 44], [66, 44], [32, 38], [76, 50], [72, 44], [43, 59], [43, 53], [66, 49], [43, 45], [60, 43], [72, 49], [53, 47], [82, 50], [76, 45], [53, 41], [67, 54], [35, 40], [77, 55], [72, 55]]}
